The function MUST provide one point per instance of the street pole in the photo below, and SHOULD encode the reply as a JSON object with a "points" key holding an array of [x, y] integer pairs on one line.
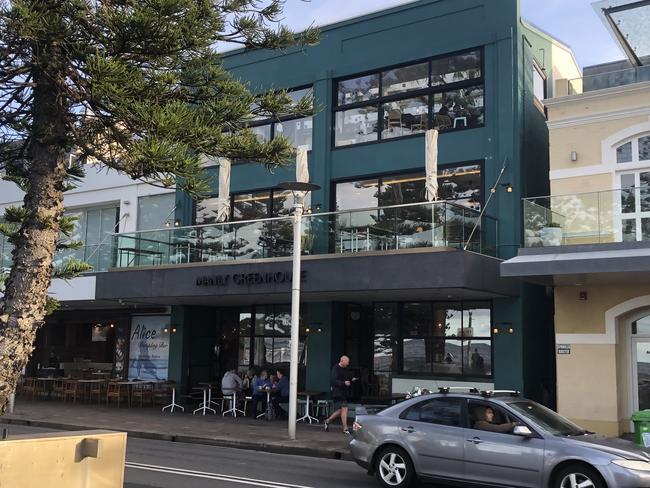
{"points": [[295, 315]]}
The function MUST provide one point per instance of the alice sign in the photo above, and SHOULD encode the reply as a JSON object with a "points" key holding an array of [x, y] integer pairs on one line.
{"points": [[149, 347]]}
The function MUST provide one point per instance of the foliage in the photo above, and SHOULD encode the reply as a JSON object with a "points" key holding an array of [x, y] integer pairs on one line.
{"points": [[142, 88], [138, 87]]}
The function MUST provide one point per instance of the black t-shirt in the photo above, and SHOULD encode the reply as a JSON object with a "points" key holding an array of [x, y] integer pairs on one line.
{"points": [[337, 380]]}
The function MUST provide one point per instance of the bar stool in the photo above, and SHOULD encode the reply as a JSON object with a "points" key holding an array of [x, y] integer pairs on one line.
{"points": [[324, 406]]}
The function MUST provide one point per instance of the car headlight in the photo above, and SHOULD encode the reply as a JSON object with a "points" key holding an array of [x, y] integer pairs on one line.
{"points": [[633, 464]]}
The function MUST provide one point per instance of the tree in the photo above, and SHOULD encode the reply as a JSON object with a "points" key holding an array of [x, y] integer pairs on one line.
{"points": [[132, 85]]}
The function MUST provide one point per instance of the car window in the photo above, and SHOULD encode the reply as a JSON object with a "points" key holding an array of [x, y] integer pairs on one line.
{"points": [[476, 415], [442, 411]]}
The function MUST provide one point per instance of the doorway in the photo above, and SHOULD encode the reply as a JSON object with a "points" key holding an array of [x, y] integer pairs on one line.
{"points": [[640, 329]]}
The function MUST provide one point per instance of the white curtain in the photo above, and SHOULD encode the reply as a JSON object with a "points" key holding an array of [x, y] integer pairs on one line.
{"points": [[223, 200], [431, 164], [302, 172]]}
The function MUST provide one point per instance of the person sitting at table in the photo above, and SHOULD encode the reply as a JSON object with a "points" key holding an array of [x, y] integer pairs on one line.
{"points": [[260, 384], [230, 382], [281, 394], [247, 381]]}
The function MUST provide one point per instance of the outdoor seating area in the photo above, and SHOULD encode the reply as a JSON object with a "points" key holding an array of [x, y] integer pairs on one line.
{"points": [[97, 390]]}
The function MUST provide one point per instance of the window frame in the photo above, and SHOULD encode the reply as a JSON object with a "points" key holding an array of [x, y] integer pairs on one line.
{"points": [[512, 415], [398, 351], [634, 149], [253, 310], [536, 101], [462, 414], [407, 172], [428, 92], [272, 121]]}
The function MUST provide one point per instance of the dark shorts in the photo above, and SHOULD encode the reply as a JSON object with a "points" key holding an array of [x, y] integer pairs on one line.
{"points": [[340, 402]]}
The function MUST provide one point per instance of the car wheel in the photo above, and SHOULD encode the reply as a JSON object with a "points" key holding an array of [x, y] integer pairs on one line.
{"points": [[394, 468], [577, 475]]}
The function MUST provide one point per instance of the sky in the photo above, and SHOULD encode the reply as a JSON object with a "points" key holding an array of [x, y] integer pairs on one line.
{"points": [[573, 22]]}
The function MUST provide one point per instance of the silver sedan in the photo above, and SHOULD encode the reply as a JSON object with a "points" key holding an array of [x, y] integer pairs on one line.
{"points": [[491, 439]]}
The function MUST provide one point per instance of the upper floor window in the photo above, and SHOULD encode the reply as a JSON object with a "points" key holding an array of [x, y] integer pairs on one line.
{"points": [[446, 93], [156, 211], [257, 205], [296, 128], [635, 151], [459, 183]]}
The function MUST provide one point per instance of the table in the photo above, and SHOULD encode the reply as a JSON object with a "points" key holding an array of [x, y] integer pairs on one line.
{"points": [[210, 385], [233, 410], [308, 394], [268, 401], [173, 403], [204, 404]]}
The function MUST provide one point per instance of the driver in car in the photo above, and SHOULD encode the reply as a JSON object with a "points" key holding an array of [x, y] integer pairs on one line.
{"points": [[488, 423]]}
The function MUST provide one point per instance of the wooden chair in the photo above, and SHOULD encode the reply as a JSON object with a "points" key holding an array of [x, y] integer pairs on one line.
{"points": [[70, 389], [143, 391], [58, 389], [97, 390], [115, 390], [394, 118], [29, 387]]}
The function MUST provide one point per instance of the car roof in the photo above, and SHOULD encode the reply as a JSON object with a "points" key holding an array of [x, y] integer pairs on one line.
{"points": [[498, 396]]}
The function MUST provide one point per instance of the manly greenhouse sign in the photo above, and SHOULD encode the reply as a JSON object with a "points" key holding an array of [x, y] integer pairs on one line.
{"points": [[247, 279]]}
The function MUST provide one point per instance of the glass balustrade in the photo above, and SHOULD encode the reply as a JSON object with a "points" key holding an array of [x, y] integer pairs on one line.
{"points": [[588, 218], [422, 225], [437, 224]]}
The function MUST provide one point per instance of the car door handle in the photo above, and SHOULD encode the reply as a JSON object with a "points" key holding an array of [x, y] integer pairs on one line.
{"points": [[408, 429], [475, 440]]}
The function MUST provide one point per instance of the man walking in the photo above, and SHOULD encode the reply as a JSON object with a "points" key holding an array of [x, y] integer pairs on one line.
{"points": [[341, 384]]}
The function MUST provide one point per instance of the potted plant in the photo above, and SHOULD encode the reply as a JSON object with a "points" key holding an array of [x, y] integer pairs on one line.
{"points": [[551, 234]]}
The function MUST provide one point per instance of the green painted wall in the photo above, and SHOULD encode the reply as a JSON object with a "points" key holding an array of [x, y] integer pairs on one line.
{"points": [[514, 133]]}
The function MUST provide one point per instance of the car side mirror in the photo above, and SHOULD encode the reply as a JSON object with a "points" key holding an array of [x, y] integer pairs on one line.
{"points": [[522, 430]]}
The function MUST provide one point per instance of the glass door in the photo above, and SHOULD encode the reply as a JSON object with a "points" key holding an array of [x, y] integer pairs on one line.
{"points": [[641, 362]]}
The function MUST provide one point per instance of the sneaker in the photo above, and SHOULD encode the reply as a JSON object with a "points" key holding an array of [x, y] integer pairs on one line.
{"points": [[347, 431], [326, 427]]}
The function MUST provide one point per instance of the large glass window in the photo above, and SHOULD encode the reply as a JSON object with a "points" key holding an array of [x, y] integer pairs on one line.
{"points": [[461, 184], [93, 227], [445, 92], [356, 125], [539, 83], [265, 337], [458, 109], [155, 211], [433, 339], [296, 128]]}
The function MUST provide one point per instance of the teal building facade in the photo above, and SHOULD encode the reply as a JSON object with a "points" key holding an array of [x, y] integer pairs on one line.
{"points": [[408, 310]]}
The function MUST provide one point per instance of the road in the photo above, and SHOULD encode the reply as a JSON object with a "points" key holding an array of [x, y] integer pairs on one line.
{"points": [[161, 464]]}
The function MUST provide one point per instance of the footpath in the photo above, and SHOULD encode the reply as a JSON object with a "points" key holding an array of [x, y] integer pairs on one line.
{"points": [[215, 430]]}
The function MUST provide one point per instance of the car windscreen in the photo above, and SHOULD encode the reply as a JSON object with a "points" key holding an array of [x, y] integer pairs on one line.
{"points": [[546, 418]]}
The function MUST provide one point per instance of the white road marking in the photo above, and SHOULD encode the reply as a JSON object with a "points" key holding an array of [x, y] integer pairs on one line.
{"points": [[212, 476]]}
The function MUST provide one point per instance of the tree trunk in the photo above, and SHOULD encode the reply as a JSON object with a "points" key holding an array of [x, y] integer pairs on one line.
{"points": [[22, 310]]}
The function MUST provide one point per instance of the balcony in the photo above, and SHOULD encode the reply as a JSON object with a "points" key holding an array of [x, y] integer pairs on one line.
{"points": [[99, 256], [600, 81], [587, 218], [422, 225], [587, 238]]}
